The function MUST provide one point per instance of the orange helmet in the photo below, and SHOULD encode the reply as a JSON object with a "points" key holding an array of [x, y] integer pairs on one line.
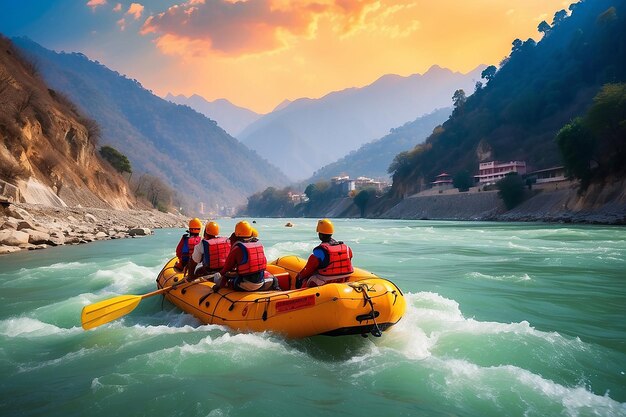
{"points": [[212, 229], [195, 224], [325, 227], [255, 233], [243, 229]]}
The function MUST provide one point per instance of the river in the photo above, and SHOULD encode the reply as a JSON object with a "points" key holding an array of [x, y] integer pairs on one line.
{"points": [[510, 319]]}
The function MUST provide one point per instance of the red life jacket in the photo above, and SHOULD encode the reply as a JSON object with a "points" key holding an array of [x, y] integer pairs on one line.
{"points": [[337, 261], [215, 252], [253, 258], [189, 242]]}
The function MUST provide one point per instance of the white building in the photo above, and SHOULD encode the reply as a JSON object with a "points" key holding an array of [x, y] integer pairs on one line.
{"points": [[490, 172]]}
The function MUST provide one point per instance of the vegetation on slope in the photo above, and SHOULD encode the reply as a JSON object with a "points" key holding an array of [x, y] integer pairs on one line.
{"points": [[537, 90]]}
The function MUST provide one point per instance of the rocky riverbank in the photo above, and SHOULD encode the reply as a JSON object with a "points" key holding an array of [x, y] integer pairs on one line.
{"points": [[27, 226], [554, 203]]}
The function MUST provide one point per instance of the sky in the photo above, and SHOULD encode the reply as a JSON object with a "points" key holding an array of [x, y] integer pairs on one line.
{"points": [[258, 53]]}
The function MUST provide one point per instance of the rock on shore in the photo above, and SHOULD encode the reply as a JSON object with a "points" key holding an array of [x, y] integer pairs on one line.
{"points": [[26, 226]]}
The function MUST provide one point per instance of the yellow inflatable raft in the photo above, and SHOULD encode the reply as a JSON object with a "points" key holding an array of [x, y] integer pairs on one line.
{"points": [[365, 304]]}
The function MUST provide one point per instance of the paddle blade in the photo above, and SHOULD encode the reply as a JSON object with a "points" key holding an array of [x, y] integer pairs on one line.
{"points": [[102, 312]]}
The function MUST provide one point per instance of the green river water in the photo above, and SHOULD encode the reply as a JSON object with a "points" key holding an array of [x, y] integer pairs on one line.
{"points": [[503, 319]]}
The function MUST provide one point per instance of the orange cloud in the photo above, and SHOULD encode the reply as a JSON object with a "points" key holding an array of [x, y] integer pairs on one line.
{"points": [[254, 26], [96, 3], [118, 7], [135, 10]]}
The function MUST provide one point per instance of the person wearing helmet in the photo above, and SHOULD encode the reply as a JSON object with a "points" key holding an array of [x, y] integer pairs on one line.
{"points": [[210, 254], [187, 243], [331, 261], [245, 263]]}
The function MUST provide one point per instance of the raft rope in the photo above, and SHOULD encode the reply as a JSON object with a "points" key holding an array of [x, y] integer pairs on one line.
{"points": [[363, 289]]}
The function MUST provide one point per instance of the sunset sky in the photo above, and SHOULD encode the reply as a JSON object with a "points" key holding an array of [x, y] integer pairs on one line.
{"points": [[257, 53]]}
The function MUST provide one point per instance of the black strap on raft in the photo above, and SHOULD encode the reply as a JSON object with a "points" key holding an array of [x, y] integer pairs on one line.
{"points": [[363, 289]]}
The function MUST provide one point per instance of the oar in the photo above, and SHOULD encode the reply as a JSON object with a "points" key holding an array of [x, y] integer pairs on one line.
{"points": [[104, 311]]}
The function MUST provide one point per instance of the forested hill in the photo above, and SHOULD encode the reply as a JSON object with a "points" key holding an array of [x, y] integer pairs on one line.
{"points": [[373, 159], [173, 142], [538, 88]]}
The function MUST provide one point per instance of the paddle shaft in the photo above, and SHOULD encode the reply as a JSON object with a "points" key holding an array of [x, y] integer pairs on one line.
{"points": [[102, 312]]}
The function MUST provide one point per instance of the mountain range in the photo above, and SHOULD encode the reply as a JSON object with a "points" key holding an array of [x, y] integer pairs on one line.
{"points": [[307, 134], [373, 159], [173, 142], [233, 119]]}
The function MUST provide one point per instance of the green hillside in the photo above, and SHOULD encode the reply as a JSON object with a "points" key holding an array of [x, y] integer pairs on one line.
{"points": [[538, 89]]}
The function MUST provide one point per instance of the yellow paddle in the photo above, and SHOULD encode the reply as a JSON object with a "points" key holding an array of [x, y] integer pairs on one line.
{"points": [[97, 314]]}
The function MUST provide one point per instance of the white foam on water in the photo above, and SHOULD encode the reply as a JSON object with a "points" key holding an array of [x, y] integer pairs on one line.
{"points": [[429, 316], [63, 360], [140, 330], [125, 379], [486, 383], [67, 265], [32, 328], [240, 348], [560, 249], [288, 248], [126, 277], [510, 278]]}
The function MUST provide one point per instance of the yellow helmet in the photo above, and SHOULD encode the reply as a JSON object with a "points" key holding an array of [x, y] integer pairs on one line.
{"points": [[255, 233], [212, 229], [243, 229], [325, 227], [195, 224]]}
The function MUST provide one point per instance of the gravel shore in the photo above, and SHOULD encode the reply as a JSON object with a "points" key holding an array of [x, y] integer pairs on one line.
{"points": [[28, 226]]}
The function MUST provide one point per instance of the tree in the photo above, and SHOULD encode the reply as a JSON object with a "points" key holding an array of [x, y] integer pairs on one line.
{"points": [[153, 189], [559, 17], [310, 191], [463, 181], [117, 160], [361, 200], [544, 27], [459, 98], [517, 45], [595, 144], [489, 72], [511, 190]]}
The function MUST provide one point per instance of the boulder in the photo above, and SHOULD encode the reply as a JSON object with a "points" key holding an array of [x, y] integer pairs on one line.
{"points": [[36, 237], [13, 237], [8, 249], [19, 213], [140, 231], [25, 224], [90, 218], [56, 239], [11, 223], [101, 235]]}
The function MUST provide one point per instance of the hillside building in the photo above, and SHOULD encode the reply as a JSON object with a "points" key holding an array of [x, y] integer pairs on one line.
{"points": [[347, 184], [553, 174], [491, 172], [442, 181]]}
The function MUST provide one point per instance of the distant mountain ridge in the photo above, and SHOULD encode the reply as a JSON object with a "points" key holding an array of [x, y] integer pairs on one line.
{"points": [[373, 159], [308, 134], [233, 119], [173, 142]]}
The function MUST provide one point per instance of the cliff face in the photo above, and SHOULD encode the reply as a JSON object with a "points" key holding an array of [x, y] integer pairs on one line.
{"points": [[47, 147]]}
